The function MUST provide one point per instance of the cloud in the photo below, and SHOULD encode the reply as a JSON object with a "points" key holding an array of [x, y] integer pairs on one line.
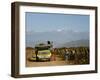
{"points": [[60, 30]]}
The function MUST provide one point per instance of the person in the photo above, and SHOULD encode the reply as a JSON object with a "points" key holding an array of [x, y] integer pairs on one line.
{"points": [[53, 57], [66, 55], [73, 54]]}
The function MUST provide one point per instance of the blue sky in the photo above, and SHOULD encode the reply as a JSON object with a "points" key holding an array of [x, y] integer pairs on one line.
{"points": [[59, 28], [44, 22]]}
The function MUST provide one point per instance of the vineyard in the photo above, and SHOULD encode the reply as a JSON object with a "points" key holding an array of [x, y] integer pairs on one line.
{"points": [[75, 55]]}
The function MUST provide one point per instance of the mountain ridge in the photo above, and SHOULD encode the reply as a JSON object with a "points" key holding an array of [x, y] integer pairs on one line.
{"points": [[77, 43]]}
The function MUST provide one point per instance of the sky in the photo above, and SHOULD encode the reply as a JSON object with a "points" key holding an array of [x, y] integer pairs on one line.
{"points": [[58, 28], [44, 22]]}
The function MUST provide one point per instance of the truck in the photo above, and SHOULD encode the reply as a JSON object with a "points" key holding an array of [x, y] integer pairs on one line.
{"points": [[42, 52]]}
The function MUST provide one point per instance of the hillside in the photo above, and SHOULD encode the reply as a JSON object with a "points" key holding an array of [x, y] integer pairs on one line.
{"points": [[77, 43]]}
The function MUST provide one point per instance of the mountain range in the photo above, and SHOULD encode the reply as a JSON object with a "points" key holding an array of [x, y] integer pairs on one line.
{"points": [[64, 38], [78, 43]]}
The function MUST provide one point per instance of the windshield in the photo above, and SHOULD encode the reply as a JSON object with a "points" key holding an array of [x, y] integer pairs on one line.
{"points": [[44, 52]]}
